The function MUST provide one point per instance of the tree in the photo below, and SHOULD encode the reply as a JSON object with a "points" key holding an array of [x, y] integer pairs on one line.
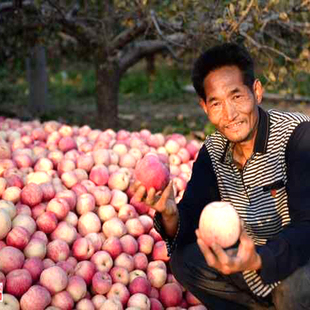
{"points": [[116, 34]]}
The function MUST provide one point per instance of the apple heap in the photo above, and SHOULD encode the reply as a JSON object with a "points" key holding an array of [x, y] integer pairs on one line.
{"points": [[72, 235], [220, 223]]}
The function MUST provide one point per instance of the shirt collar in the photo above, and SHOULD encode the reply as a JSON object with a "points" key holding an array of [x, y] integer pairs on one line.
{"points": [[261, 140]]}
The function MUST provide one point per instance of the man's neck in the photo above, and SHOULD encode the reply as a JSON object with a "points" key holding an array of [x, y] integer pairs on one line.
{"points": [[242, 152]]}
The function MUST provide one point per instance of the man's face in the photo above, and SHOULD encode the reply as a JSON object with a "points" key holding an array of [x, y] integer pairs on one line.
{"points": [[230, 105]]}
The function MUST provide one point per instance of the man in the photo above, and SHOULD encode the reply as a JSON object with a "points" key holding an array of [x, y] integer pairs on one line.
{"points": [[259, 162]]}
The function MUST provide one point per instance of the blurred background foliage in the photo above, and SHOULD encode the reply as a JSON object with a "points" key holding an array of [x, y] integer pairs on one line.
{"points": [[87, 44]]}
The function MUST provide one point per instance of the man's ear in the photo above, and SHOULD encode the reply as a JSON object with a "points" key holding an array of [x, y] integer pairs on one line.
{"points": [[258, 91], [203, 105]]}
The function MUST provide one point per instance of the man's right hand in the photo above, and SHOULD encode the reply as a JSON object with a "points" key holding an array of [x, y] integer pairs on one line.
{"points": [[162, 202]]}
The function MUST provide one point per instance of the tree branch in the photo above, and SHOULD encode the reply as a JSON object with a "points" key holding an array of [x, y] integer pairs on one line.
{"points": [[128, 35], [79, 31], [260, 46], [145, 48], [243, 17], [154, 19]]}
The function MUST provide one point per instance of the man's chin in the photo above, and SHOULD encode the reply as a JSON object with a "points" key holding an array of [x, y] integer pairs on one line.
{"points": [[237, 139]]}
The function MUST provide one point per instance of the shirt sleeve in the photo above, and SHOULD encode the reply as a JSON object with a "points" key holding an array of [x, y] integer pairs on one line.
{"points": [[282, 255], [201, 189]]}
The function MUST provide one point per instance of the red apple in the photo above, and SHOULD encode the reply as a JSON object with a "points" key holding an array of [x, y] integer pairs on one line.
{"points": [[126, 212], [112, 304], [101, 282], [82, 249], [120, 292], [145, 243], [118, 180], [170, 295], [62, 300], [106, 212], [151, 172], [25, 221], [77, 288], [86, 270], [36, 298], [134, 227], [129, 244], [47, 222], [113, 246], [35, 267], [140, 301], [99, 174], [85, 203], [18, 237], [220, 223], [88, 222], [5, 223], [31, 195], [85, 304], [119, 198], [66, 144], [58, 250], [156, 304], [98, 301], [140, 285], [35, 248], [10, 259], [124, 260], [114, 227], [59, 206], [102, 260], [160, 251], [18, 282], [119, 275], [102, 195], [54, 279], [140, 261], [64, 231]]}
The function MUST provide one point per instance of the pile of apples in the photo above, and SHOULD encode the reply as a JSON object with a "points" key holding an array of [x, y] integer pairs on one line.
{"points": [[72, 235]]}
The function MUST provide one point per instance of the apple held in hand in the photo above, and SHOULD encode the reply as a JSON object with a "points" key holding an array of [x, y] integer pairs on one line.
{"points": [[152, 172], [220, 223]]}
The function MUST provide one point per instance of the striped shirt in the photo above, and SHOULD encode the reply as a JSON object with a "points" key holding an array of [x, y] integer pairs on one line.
{"points": [[265, 193]]}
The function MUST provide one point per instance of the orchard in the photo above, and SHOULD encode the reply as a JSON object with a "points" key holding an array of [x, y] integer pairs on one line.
{"points": [[72, 235]]}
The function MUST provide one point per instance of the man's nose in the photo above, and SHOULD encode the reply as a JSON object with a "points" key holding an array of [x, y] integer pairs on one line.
{"points": [[230, 110]]}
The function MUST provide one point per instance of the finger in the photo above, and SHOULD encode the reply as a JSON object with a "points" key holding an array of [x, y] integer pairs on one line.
{"points": [[150, 198], [167, 193], [246, 245], [197, 231], [220, 253], [242, 224], [140, 193], [133, 186], [207, 253]]}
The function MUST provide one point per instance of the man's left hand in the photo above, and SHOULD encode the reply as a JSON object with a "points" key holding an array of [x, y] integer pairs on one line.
{"points": [[231, 261]]}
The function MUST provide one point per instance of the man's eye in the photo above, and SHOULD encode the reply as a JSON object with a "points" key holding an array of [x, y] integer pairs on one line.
{"points": [[236, 97]]}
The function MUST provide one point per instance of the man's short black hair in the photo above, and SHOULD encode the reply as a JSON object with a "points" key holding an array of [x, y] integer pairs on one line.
{"points": [[227, 54]]}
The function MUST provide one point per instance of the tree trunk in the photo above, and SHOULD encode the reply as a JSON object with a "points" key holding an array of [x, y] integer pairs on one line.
{"points": [[37, 79], [108, 79]]}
